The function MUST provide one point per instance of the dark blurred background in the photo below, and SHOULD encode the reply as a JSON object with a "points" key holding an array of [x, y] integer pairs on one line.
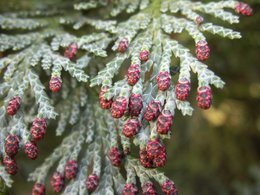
{"points": [[216, 151]]}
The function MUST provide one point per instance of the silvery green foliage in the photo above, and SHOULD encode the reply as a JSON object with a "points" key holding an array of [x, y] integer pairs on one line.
{"points": [[72, 146], [17, 42], [116, 8], [36, 56], [19, 23], [5, 176], [47, 58], [41, 172], [79, 21]]}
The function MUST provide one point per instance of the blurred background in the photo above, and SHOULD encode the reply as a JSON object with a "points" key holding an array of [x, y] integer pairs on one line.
{"points": [[213, 152]]}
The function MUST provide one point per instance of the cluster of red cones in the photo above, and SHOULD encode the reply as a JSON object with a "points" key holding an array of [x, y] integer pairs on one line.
{"points": [[12, 140], [148, 188], [58, 180]]}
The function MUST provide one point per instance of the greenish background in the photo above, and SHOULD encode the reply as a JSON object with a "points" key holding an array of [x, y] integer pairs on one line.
{"points": [[213, 152]]}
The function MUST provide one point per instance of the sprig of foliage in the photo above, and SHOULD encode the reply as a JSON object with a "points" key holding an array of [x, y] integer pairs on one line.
{"points": [[142, 104]]}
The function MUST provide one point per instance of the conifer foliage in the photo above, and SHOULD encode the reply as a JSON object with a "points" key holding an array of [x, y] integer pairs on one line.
{"points": [[81, 49]]}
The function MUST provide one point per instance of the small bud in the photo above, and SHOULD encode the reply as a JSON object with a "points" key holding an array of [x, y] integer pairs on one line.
{"points": [[92, 182], [131, 127], [13, 105], [119, 107], [135, 104], [38, 189], [204, 97], [123, 45], [163, 80], [168, 187], [71, 50], [38, 129], [55, 84], [144, 55], [202, 50], [10, 165], [133, 74], [11, 145], [199, 20], [164, 122], [148, 189], [182, 89], [127, 151], [57, 182], [115, 156], [31, 149], [129, 189], [244, 9], [153, 110], [105, 104], [71, 169]]}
